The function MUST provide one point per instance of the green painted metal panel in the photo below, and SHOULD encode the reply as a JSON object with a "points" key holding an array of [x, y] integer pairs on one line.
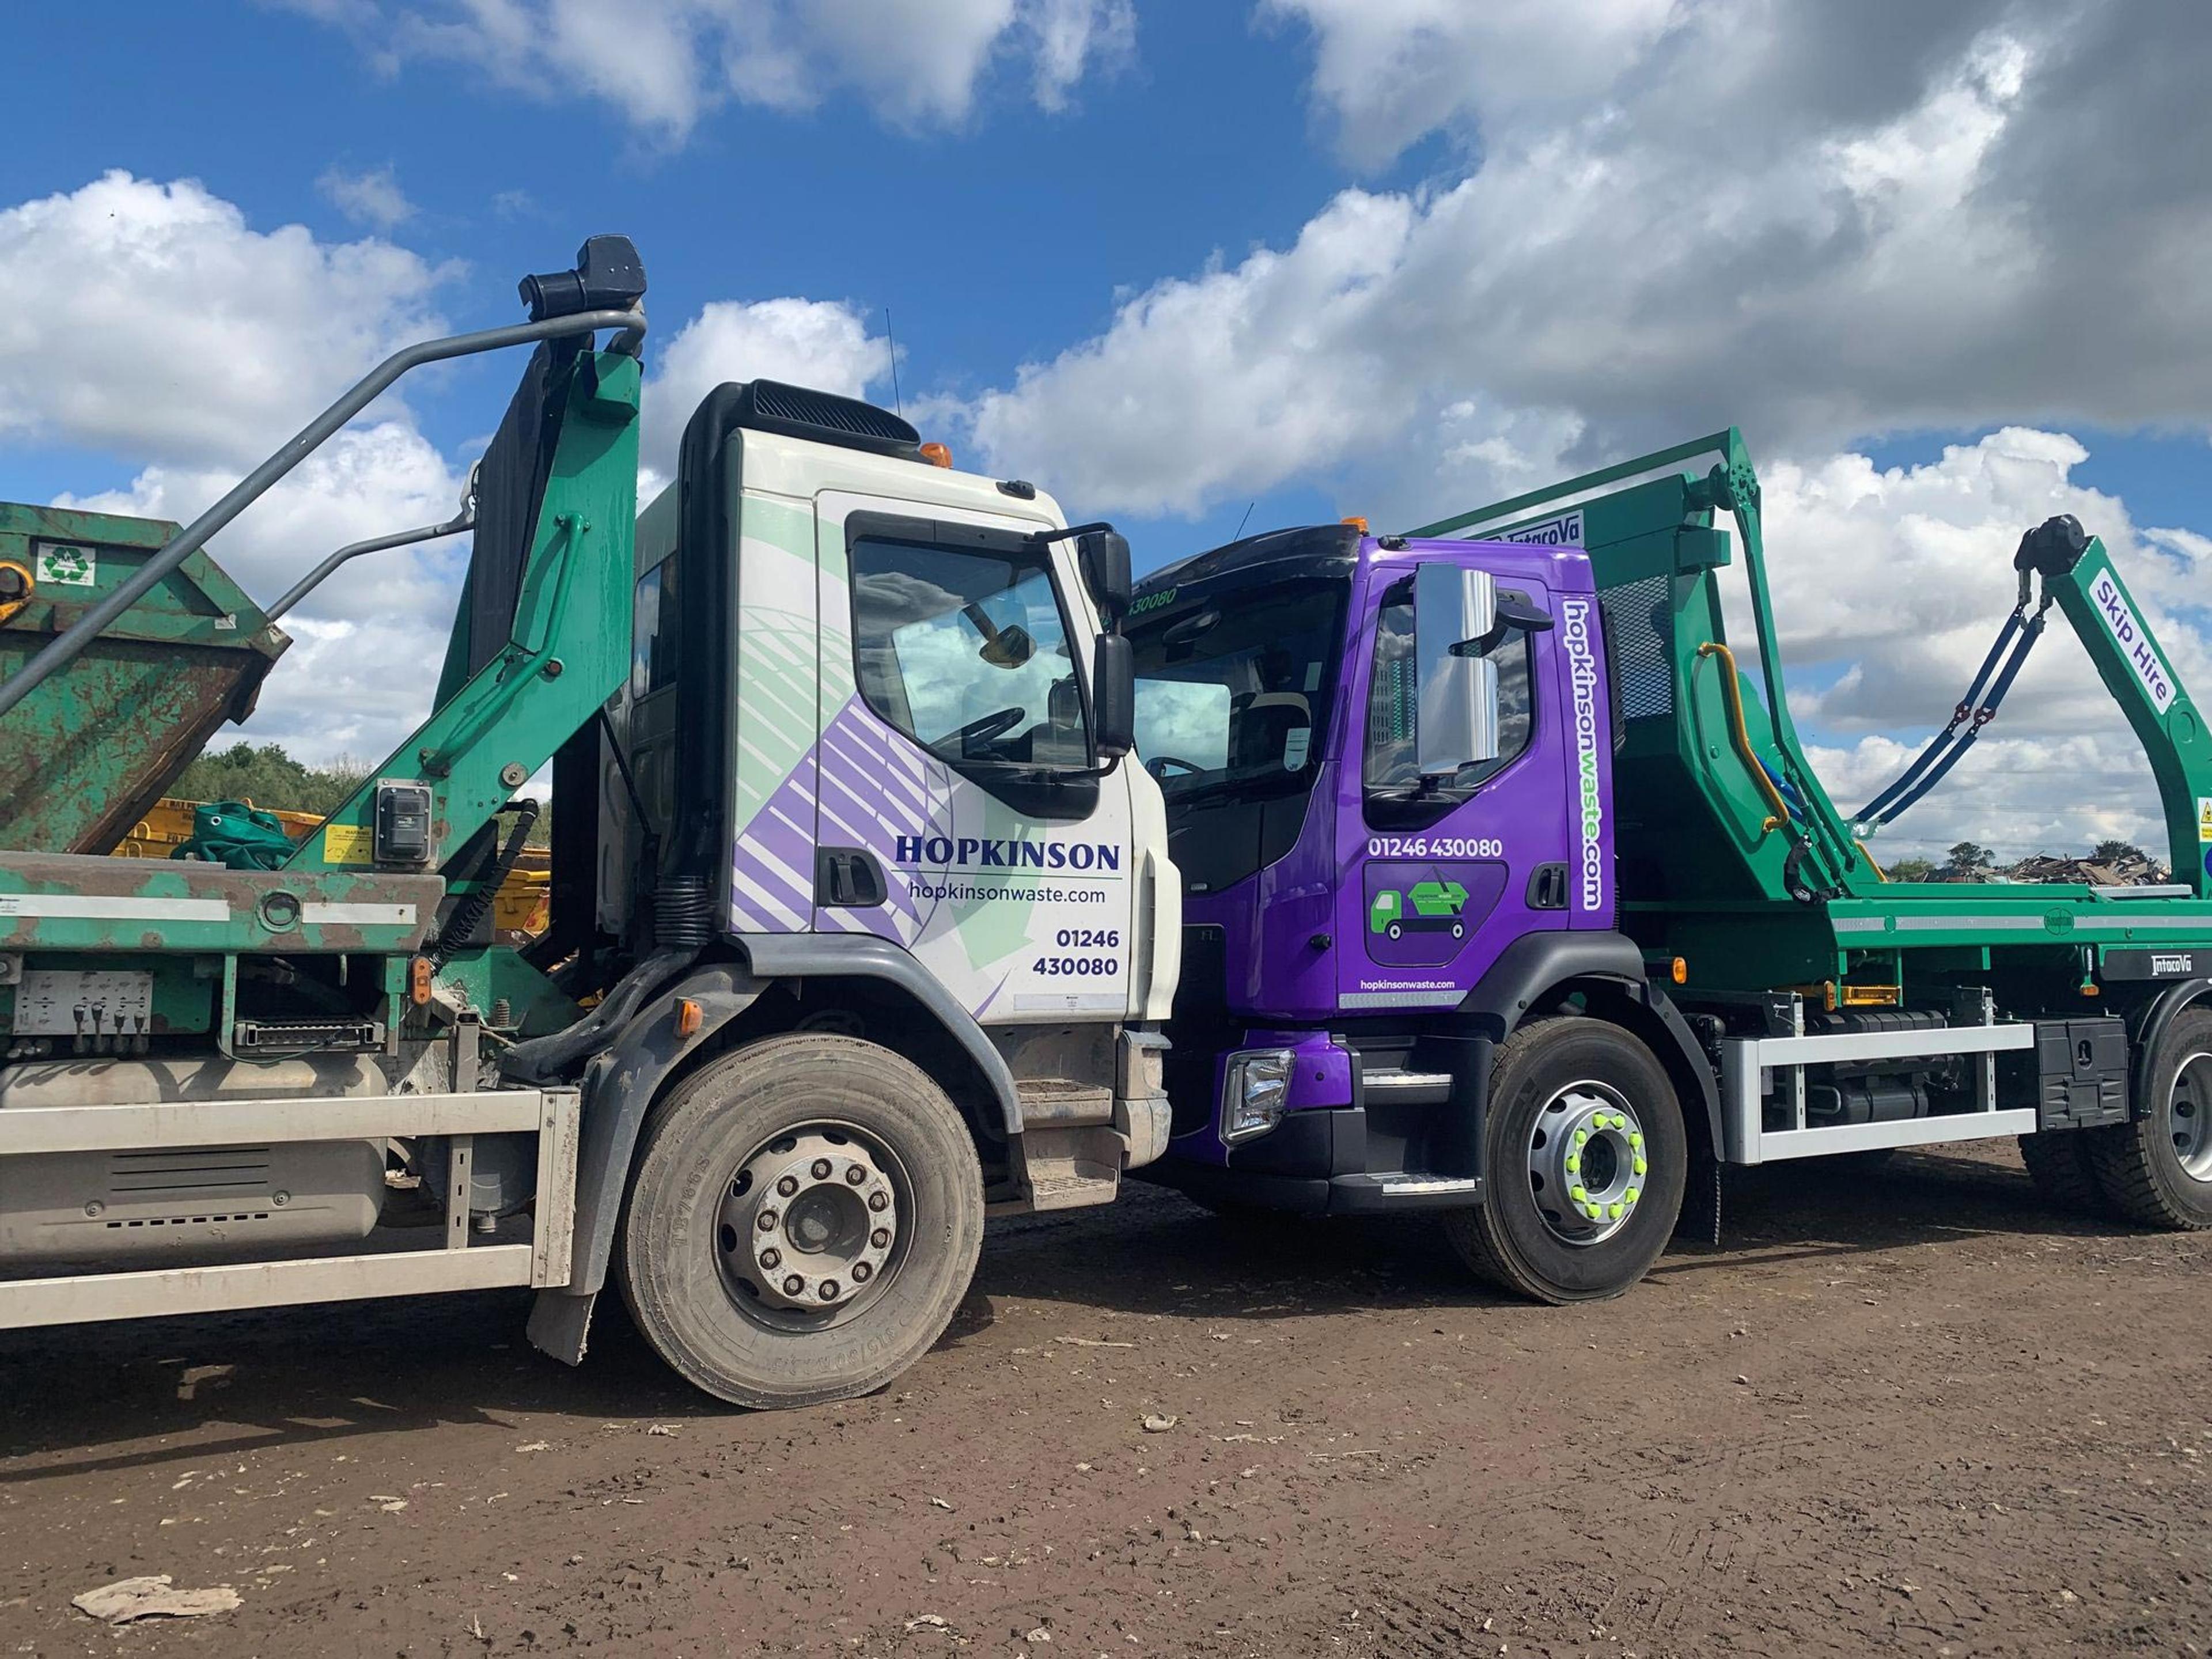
{"points": [[568, 650], [2165, 717]]}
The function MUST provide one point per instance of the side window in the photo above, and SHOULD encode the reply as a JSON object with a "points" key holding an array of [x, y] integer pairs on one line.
{"points": [[1183, 723], [1396, 797], [965, 650], [652, 630]]}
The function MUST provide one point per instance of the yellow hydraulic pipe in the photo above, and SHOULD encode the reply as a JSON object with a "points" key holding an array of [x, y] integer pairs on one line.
{"points": [[1740, 734]]}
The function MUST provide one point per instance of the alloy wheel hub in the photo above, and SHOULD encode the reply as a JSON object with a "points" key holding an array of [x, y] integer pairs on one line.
{"points": [[1587, 1163], [2189, 1117]]}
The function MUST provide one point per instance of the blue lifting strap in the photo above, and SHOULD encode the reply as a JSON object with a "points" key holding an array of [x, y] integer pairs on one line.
{"points": [[1976, 710]]}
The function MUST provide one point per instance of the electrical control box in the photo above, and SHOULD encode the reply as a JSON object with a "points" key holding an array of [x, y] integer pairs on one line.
{"points": [[402, 823]]}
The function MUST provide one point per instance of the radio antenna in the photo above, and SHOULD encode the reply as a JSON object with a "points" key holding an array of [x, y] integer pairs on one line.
{"points": [[1246, 519], [898, 404]]}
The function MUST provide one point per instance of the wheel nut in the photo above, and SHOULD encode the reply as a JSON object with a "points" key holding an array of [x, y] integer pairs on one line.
{"points": [[856, 1175], [822, 1168], [878, 1201], [771, 1259], [768, 1220], [880, 1238], [794, 1285], [787, 1186], [860, 1271], [828, 1292]]}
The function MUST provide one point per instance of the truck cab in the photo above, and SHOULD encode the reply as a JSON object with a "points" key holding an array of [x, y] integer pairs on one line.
{"points": [[1387, 770]]}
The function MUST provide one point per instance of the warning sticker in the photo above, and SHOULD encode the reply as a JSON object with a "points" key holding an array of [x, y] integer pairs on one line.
{"points": [[351, 843], [68, 564], [2204, 819]]}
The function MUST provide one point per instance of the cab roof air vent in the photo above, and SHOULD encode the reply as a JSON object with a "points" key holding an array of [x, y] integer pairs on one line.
{"points": [[797, 411]]}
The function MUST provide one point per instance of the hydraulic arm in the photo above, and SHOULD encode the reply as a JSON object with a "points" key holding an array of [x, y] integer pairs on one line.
{"points": [[2078, 573]]}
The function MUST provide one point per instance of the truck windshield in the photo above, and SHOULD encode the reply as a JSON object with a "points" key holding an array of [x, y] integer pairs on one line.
{"points": [[1233, 689]]}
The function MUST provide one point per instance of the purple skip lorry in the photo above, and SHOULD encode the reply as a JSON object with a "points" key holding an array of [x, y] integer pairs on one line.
{"points": [[1509, 892]]}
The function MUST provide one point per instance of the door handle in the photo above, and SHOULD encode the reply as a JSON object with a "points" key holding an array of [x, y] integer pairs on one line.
{"points": [[848, 879], [1547, 887]]}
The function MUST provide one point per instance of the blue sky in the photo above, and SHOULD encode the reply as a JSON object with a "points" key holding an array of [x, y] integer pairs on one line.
{"points": [[1153, 168], [1314, 257]]}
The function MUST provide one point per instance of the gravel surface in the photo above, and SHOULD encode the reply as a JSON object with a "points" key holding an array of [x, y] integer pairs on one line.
{"points": [[1903, 1413]]}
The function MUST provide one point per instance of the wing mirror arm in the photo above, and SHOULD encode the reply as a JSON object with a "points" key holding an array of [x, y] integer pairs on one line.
{"points": [[1515, 616]]}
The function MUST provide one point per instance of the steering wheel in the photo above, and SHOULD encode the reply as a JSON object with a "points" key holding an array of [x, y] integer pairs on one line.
{"points": [[980, 729], [1157, 766]]}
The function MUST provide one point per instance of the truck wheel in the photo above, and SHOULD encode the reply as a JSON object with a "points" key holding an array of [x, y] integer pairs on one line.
{"points": [[1585, 1157], [803, 1222], [2059, 1163], [2158, 1169]]}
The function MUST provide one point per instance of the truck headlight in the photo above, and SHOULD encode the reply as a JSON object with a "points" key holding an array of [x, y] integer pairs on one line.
{"points": [[1255, 1089]]}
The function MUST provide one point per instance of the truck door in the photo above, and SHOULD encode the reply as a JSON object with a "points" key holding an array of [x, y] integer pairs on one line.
{"points": [[1439, 875], [958, 812]]}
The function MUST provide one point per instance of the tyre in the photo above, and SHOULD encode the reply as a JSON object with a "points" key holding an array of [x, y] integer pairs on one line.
{"points": [[2060, 1165], [803, 1222], [1585, 1159], [2158, 1169]]}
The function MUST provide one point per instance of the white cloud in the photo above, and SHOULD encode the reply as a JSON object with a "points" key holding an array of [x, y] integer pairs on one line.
{"points": [[371, 197], [152, 322], [821, 343], [666, 63], [1390, 70], [1816, 222], [1232, 380], [367, 644], [169, 333]]}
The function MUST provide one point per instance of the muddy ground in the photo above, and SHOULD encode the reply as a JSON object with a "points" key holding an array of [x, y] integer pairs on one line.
{"points": [[1913, 1413]]}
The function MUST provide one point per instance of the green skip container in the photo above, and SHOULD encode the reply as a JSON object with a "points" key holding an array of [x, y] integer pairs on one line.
{"points": [[90, 751]]}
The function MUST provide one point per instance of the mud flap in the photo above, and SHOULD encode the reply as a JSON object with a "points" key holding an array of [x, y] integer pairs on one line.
{"points": [[1699, 1222]]}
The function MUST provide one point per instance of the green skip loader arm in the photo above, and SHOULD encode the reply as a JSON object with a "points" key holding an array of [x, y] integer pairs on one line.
{"points": [[2078, 574]]}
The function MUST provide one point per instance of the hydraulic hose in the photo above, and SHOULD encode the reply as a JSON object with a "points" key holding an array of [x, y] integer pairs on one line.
{"points": [[469, 914]]}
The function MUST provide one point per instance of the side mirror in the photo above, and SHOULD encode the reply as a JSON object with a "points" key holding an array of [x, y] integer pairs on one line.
{"points": [[1113, 695], [1457, 723], [1104, 557]]}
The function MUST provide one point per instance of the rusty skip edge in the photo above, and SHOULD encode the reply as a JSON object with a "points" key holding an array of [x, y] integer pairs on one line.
{"points": [[74, 901]]}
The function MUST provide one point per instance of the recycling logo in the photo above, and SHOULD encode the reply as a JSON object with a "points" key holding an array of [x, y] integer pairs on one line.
{"points": [[65, 564]]}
